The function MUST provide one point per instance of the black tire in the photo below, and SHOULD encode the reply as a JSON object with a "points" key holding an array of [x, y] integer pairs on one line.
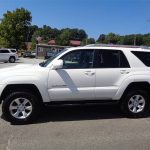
{"points": [[126, 101], [12, 59], [27, 95]]}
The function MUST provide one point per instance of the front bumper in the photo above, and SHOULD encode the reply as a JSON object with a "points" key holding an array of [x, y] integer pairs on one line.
{"points": [[1, 90]]}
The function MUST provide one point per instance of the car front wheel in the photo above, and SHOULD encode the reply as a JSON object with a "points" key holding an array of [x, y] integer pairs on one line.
{"points": [[20, 107]]}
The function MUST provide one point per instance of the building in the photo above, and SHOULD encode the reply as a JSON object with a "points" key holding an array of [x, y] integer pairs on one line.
{"points": [[42, 50], [75, 43]]}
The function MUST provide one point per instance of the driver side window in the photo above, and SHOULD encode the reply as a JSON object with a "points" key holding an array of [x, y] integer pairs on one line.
{"points": [[78, 59]]}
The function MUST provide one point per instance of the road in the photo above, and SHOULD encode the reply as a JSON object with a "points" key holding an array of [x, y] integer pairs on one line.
{"points": [[90, 127]]}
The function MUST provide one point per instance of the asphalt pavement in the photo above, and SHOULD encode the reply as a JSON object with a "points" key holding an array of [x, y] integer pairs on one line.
{"points": [[90, 127]]}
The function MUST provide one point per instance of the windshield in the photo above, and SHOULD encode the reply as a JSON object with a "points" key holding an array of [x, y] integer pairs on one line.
{"points": [[45, 63]]}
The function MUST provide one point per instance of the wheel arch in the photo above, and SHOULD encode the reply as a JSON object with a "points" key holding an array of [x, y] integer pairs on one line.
{"points": [[137, 85], [21, 87]]}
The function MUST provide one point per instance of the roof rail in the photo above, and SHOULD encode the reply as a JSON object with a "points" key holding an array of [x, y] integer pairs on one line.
{"points": [[113, 45]]}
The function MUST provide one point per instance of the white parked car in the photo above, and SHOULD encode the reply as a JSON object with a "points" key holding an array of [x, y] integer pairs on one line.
{"points": [[8, 55], [90, 74]]}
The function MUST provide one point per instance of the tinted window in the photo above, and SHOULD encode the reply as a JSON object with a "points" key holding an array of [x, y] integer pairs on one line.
{"points": [[4, 51], [13, 51], [143, 56], [78, 59], [110, 59]]}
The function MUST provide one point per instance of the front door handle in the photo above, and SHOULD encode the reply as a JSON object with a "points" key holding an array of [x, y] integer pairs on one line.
{"points": [[89, 72]]}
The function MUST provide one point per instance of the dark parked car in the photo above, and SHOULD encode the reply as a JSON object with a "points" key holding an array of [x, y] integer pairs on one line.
{"points": [[29, 54], [32, 55]]}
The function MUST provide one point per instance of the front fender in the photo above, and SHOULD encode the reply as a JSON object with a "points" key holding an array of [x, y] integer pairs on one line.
{"points": [[35, 80]]}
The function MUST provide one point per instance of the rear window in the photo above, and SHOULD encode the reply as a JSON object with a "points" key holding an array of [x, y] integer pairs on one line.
{"points": [[143, 56], [13, 51]]}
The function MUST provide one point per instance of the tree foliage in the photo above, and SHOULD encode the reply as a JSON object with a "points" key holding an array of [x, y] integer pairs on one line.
{"points": [[90, 41], [14, 27], [46, 33], [70, 34], [132, 39]]}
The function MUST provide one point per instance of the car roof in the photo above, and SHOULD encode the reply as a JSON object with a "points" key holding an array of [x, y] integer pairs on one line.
{"points": [[113, 47]]}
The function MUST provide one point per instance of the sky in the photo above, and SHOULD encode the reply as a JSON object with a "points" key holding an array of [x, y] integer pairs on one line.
{"points": [[94, 16]]}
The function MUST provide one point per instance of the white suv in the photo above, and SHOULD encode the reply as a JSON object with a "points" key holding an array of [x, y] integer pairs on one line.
{"points": [[90, 74], [8, 55]]}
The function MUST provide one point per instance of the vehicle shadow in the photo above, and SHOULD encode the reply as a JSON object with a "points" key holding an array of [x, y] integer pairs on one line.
{"points": [[79, 112]]}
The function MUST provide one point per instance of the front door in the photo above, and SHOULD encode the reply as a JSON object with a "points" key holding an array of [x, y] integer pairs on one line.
{"points": [[76, 80]]}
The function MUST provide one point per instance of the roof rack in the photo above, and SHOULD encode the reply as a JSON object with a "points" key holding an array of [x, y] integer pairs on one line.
{"points": [[113, 45]]}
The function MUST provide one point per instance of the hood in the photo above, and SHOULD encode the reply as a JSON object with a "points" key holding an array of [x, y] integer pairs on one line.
{"points": [[24, 69]]}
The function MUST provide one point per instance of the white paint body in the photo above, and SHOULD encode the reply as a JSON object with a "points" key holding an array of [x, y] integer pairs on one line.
{"points": [[78, 84], [4, 57]]}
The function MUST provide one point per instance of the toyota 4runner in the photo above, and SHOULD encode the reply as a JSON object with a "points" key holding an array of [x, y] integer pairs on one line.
{"points": [[89, 74]]}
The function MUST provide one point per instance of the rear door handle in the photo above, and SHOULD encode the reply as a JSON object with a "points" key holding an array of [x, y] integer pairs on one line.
{"points": [[124, 71]]}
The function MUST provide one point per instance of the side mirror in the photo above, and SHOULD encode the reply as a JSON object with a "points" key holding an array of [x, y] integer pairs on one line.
{"points": [[57, 64]]}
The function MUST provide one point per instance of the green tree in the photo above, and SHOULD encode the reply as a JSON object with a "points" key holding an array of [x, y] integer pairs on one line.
{"points": [[68, 34], [146, 39], [31, 30], [46, 33], [112, 38], [102, 38], [91, 41], [64, 37], [14, 27], [128, 39]]}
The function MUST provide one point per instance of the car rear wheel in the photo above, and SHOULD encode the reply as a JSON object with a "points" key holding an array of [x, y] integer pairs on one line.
{"points": [[136, 103], [20, 107]]}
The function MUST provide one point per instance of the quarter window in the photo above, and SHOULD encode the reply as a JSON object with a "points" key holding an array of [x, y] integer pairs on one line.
{"points": [[110, 59], [143, 56], [78, 59]]}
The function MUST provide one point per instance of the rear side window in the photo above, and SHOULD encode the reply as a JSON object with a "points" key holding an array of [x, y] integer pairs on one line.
{"points": [[4, 51], [143, 56], [110, 59]]}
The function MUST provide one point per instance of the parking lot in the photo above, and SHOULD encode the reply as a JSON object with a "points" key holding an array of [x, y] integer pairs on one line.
{"points": [[90, 127]]}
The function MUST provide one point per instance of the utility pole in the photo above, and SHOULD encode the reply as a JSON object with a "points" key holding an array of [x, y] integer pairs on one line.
{"points": [[134, 40]]}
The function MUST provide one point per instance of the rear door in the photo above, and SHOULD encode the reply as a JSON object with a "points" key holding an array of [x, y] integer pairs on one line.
{"points": [[111, 68]]}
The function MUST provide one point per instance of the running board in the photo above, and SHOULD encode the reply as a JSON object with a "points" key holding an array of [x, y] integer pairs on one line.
{"points": [[84, 102]]}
